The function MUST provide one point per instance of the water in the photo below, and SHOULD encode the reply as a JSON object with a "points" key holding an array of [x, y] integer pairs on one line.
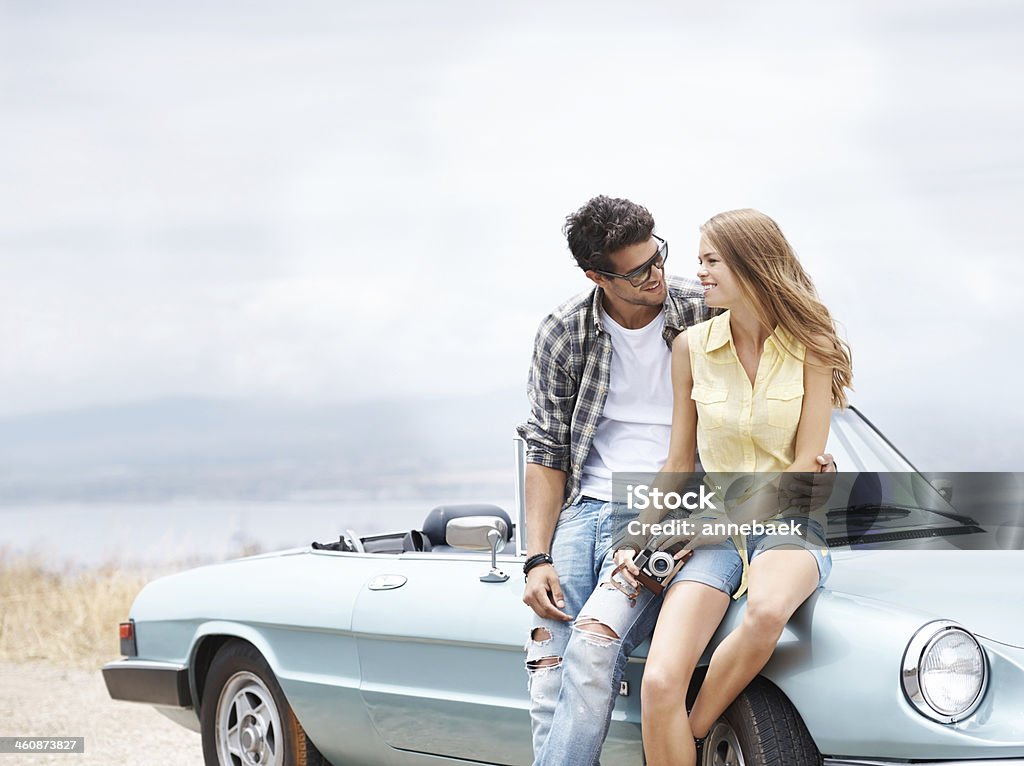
{"points": [[144, 534]]}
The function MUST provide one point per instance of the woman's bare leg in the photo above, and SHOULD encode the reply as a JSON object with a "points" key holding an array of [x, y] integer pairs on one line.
{"points": [[688, 619], [778, 582]]}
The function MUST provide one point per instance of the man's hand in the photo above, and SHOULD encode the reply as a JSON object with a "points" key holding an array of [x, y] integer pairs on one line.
{"points": [[809, 491], [544, 593]]}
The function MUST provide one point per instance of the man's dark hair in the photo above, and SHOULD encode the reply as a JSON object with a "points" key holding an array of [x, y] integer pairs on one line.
{"points": [[604, 225]]}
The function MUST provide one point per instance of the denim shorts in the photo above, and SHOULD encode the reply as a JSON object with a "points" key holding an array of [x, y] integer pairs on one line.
{"points": [[721, 567]]}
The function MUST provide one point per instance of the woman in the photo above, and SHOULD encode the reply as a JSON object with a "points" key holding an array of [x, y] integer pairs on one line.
{"points": [[754, 388]]}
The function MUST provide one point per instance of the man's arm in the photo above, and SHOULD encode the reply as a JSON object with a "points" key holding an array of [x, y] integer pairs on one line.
{"points": [[545, 488], [552, 391]]}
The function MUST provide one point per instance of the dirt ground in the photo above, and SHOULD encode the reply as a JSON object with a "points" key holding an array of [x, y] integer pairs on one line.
{"points": [[41, 699]]}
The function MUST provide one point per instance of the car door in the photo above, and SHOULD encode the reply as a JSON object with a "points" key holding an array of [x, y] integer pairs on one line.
{"points": [[441, 657]]}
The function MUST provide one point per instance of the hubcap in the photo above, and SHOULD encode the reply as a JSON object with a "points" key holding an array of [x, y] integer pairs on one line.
{"points": [[249, 731], [722, 746]]}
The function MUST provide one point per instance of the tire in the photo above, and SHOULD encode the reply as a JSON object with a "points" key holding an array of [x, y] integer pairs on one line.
{"points": [[241, 693], [761, 728]]}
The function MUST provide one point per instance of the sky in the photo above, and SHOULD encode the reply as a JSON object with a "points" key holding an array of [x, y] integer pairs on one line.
{"points": [[343, 202]]}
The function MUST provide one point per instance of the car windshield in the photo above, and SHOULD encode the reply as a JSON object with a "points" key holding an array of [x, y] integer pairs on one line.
{"points": [[880, 500], [859, 446]]}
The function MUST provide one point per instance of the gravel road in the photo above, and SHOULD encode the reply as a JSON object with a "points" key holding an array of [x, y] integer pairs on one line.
{"points": [[43, 700]]}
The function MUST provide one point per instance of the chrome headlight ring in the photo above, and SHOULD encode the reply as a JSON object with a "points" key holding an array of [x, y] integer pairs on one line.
{"points": [[918, 651]]}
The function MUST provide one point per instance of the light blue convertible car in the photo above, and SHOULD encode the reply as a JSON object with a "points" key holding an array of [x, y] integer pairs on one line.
{"points": [[407, 649]]}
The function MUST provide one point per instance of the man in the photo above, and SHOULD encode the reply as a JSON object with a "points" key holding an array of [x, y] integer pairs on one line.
{"points": [[601, 401]]}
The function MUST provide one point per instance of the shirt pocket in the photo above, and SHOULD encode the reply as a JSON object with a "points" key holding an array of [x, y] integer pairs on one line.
{"points": [[783, 402], [712, 405]]}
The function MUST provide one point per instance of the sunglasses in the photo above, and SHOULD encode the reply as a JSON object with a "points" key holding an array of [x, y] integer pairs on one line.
{"points": [[642, 274]]}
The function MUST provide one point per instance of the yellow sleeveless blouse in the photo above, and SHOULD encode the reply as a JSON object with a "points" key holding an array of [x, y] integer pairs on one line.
{"points": [[744, 428]]}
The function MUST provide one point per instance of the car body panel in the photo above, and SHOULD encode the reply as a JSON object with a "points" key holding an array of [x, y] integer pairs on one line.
{"points": [[408, 644], [967, 586]]}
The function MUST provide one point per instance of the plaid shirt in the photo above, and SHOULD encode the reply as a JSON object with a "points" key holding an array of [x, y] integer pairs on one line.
{"points": [[568, 383]]}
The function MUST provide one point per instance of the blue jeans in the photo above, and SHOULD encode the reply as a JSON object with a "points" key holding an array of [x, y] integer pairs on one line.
{"points": [[572, 699]]}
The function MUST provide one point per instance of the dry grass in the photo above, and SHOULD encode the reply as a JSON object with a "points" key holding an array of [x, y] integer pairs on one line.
{"points": [[63, 615], [68, 615]]}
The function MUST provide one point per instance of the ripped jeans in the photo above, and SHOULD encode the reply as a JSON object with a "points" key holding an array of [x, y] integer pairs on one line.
{"points": [[574, 674]]}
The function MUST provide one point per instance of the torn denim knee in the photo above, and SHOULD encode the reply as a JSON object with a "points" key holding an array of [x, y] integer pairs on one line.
{"points": [[595, 632], [540, 636], [543, 662], [544, 676], [541, 653]]}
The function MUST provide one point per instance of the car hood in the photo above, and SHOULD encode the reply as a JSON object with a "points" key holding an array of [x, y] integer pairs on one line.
{"points": [[978, 589]]}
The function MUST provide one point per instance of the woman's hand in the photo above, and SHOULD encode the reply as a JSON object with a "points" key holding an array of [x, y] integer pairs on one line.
{"points": [[624, 558]]}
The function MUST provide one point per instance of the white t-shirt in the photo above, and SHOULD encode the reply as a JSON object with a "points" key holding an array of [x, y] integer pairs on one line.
{"points": [[634, 429]]}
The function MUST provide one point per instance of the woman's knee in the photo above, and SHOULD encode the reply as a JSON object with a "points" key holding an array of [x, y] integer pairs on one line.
{"points": [[766, 618], [664, 686]]}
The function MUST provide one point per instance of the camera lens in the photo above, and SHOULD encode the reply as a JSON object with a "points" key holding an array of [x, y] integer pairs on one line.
{"points": [[660, 564]]}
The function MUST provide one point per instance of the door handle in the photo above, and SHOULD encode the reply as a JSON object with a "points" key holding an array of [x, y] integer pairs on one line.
{"points": [[387, 582]]}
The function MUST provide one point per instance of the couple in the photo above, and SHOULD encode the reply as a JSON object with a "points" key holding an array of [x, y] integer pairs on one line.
{"points": [[634, 376]]}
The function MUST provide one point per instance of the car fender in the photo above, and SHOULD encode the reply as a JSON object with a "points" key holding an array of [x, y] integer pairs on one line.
{"points": [[839, 662]]}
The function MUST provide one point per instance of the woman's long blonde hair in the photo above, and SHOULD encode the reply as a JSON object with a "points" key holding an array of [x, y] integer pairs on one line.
{"points": [[778, 288]]}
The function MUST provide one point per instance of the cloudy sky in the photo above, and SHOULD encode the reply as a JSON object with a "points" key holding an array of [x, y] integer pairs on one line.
{"points": [[340, 201]]}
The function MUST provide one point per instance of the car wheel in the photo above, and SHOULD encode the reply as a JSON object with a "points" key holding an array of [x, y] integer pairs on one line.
{"points": [[761, 728], [246, 720]]}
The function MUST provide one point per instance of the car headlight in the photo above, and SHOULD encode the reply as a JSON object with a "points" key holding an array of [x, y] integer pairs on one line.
{"points": [[944, 672]]}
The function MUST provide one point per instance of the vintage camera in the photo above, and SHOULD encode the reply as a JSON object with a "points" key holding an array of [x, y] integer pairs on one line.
{"points": [[657, 566]]}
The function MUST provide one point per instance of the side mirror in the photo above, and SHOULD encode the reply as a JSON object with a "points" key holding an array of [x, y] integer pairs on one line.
{"points": [[480, 533]]}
